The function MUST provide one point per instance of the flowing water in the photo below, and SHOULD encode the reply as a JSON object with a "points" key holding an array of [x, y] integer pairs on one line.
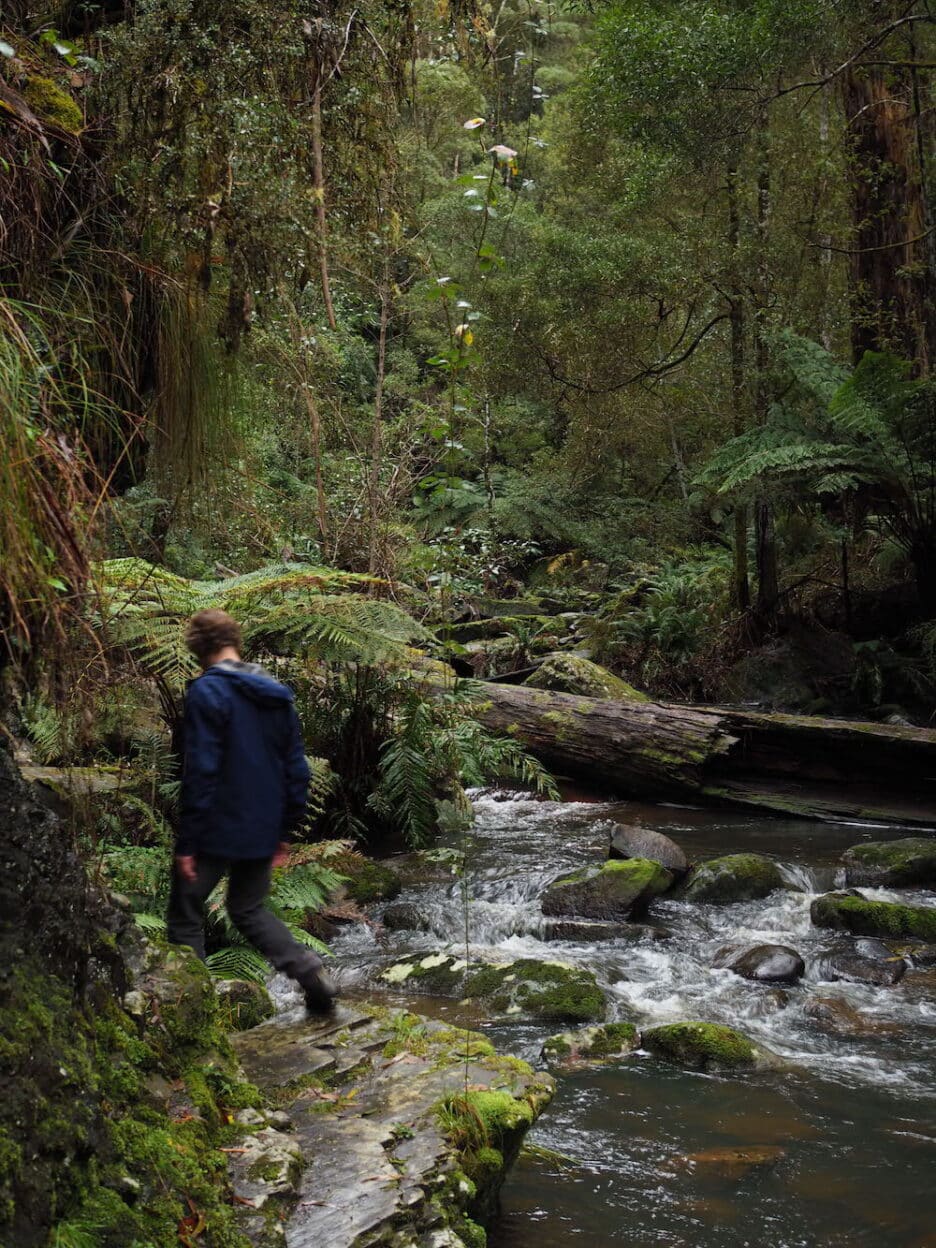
{"points": [[847, 1136]]}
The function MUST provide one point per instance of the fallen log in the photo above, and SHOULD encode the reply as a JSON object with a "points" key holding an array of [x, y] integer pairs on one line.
{"points": [[800, 765]]}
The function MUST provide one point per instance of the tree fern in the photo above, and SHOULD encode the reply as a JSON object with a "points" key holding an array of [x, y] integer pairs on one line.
{"points": [[283, 607]]}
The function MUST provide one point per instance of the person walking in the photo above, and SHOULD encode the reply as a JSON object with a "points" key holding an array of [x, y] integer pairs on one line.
{"points": [[244, 787]]}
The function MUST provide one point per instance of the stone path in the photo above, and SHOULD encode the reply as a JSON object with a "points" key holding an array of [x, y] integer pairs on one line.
{"points": [[360, 1094]]}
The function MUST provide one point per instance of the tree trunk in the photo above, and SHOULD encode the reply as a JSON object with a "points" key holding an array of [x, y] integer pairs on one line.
{"points": [[768, 583], [788, 764], [740, 576], [893, 284], [376, 451], [318, 183]]}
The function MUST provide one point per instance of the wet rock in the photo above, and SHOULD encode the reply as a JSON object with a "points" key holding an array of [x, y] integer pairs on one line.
{"points": [[705, 1046], [612, 890], [919, 956], [886, 919], [400, 1155], [892, 864], [589, 1046], [242, 1004], [525, 988], [631, 841], [837, 1018], [765, 964], [732, 1164], [865, 961], [266, 1165], [736, 877], [586, 930], [570, 673], [405, 917]]}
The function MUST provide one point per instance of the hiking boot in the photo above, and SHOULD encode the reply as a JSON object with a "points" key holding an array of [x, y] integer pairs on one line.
{"points": [[319, 989]]}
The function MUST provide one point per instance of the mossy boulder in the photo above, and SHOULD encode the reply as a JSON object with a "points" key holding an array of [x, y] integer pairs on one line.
{"points": [[242, 1004], [525, 988], [590, 1046], [886, 919], [736, 877], [368, 880], [618, 889], [570, 673], [892, 864], [405, 916], [706, 1046]]}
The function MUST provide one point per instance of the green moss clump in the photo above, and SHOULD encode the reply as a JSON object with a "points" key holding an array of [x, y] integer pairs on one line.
{"points": [[873, 918], [369, 881], [702, 1045], [47, 99], [618, 889], [241, 1004], [735, 877], [83, 1148]]}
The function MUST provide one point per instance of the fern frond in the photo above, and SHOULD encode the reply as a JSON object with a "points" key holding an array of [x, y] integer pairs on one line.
{"points": [[238, 962]]}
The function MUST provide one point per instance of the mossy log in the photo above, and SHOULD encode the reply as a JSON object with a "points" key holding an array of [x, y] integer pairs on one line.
{"points": [[789, 764]]}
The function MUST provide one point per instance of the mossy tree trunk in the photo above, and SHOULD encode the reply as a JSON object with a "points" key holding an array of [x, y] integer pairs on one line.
{"points": [[789, 764]]}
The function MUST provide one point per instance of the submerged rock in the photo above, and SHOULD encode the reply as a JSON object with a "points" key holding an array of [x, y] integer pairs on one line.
{"points": [[526, 987], [590, 1046], [570, 673], [598, 929], [892, 864], [846, 912], [837, 1018], [242, 1004], [612, 890], [736, 877], [732, 1164], [405, 917], [865, 961], [631, 841], [703, 1046], [765, 964]]}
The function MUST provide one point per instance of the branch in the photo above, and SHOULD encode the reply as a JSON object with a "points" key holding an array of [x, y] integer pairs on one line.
{"points": [[860, 251], [652, 370], [868, 46]]}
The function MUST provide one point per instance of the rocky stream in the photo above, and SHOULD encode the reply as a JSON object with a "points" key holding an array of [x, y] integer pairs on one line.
{"points": [[811, 1122]]}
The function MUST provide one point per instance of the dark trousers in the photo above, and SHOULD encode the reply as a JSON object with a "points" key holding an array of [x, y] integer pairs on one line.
{"points": [[248, 885]]}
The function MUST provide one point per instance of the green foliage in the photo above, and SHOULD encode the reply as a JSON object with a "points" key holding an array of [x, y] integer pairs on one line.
{"points": [[287, 607]]}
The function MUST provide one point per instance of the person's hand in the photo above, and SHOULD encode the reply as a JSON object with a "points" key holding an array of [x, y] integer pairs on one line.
{"points": [[281, 857], [186, 867]]}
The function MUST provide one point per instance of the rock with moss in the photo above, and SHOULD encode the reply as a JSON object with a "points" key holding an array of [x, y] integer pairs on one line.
{"points": [[905, 863], [707, 1046], [590, 1046], [570, 673], [735, 877], [368, 880], [526, 988], [885, 919], [615, 890], [632, 841], [242, 1004]]}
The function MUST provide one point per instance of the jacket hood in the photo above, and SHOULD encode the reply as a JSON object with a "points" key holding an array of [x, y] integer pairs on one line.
{"points": [[252, 681]]}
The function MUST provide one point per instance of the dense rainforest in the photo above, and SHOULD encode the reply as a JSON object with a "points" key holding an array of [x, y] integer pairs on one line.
{"points": [[577, 346]]}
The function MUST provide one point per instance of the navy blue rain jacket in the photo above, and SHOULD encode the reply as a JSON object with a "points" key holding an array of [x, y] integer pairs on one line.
{"points": [[245, 778]]}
